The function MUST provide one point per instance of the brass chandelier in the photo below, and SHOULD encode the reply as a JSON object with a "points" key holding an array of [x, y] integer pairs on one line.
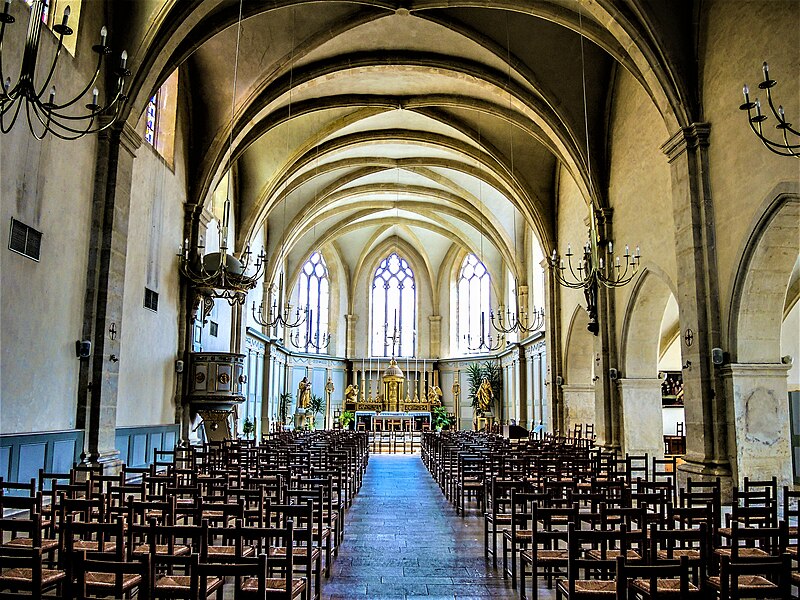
{"points": [[785, 148]]}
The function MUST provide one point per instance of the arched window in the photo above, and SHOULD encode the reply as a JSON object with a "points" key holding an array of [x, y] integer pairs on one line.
{"points": [[313, 291], [394, 308], [473, 300]]}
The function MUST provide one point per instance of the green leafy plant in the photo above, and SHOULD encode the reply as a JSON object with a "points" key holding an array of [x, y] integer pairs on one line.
{"points": [[316, 404], [475, 374], [284, 402], [248, 428], [346, 418], [441, 419]]}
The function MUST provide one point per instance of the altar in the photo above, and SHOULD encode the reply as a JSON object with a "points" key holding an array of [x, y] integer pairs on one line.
{"points": [[369, 420]]}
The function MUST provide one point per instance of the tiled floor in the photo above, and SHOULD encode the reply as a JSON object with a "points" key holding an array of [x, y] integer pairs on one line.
{"points": [[404, 540]]}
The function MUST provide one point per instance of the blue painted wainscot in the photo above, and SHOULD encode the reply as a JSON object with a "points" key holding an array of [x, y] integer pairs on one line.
{"points": [[136, 444], [23, 454]]}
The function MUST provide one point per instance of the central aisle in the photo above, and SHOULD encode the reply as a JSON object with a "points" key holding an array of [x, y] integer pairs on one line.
{"points": [[403, 540]]}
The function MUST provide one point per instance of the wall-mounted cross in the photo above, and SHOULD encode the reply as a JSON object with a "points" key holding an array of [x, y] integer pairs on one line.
{"points": [[112, 331], [689, 337]]}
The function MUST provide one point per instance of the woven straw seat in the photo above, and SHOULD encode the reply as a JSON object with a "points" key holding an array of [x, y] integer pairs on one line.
{"points": [[612, 554], [546, 556], [677, 553], [109, 580], [747, 583], [162, 549], [301, 551], [598, 587], [275, 584], [499, 518], [521, 535], [26, 542], [229, 551], [180, 583], [93, 546], [743, 552], [663, 586], [19, 576]]}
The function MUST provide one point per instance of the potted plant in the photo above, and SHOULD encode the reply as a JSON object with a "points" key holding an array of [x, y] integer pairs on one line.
{"points": [[284, 402], [347, 417], [316, 404], [441, 419], [248, 428]]}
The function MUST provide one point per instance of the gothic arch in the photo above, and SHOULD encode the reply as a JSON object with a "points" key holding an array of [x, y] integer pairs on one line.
{"points": [[765, 268]]}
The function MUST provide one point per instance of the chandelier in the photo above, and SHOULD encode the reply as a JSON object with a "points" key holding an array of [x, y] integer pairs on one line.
{"points": [[784, 148], [314, 340], [519, 320], [50, 116], [593, 267], [485, 342], [593, 270], [275, 316], [220, 274]]}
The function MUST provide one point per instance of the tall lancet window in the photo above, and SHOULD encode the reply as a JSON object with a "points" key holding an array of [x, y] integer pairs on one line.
{"points": [[313, 291], [394, 308], [473, 302]]}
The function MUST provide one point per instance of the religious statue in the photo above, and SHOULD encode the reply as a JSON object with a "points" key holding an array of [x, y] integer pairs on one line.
{"points": [[434, 395], [485, 395], [304, 393], [351, 393], [329, 387]]}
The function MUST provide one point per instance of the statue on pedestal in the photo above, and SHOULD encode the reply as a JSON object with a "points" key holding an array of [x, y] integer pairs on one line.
{"points": [[304, 393]]}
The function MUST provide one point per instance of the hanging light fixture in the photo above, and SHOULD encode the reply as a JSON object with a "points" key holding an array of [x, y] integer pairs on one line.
{"points": [[593, 268], [274, 315], [310, 338], [785, 148], [220, 274], [50, 116], [485, 342]]}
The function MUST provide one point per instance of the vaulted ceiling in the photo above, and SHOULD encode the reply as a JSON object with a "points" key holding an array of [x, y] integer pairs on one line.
{"points": [[440, 124]]}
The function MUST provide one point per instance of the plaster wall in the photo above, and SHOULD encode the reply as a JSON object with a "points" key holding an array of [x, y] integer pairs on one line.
{"points": [[149, 340], [744, 179], [790, 346], [640, 193], [47, 185]]}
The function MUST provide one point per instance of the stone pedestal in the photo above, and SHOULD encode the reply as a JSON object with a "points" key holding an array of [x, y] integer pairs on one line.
{"points": [[642, 428], [578, 405], [758, 416]]}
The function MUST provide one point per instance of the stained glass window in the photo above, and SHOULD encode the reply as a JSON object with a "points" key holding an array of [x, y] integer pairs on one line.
{"points": [[313, 291], [151, 121]]}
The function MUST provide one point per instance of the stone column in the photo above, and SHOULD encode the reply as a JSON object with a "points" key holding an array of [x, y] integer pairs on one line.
{"points": [[758, 395], [350, 335], [607, 407], [642, 429], [698, 302], [523, 389], [436, 335], [552, 337], [578, 405], [266, 388], [105, 287]]}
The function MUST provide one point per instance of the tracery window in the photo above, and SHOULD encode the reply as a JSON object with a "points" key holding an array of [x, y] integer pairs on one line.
{"points": [[473, 299], [313, 291], [394, 308]]}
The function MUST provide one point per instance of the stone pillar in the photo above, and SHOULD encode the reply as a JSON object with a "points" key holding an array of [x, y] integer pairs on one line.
{"points": [[642, 429], [350, 335], [105, 287], [525, 397], [607, 407], [266, 389], [757, 412], [552, 336], [436, 335], [698, 302], [578, 405]]}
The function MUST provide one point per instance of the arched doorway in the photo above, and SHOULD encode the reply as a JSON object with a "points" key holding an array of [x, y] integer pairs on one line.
{"points": [[578, 388]]}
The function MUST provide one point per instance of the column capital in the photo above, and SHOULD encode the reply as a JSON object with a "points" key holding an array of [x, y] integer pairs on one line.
{"points": [[693, 136]]}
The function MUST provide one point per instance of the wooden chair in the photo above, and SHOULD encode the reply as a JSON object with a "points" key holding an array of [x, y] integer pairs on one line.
{"points": [[102, 577], [671, 545], [284, 586], [497, 516], [753, 543], [548, 554], [165, 582], [591, 578], [21, 569], [756, 578], [307, 533], [657, 580]]}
